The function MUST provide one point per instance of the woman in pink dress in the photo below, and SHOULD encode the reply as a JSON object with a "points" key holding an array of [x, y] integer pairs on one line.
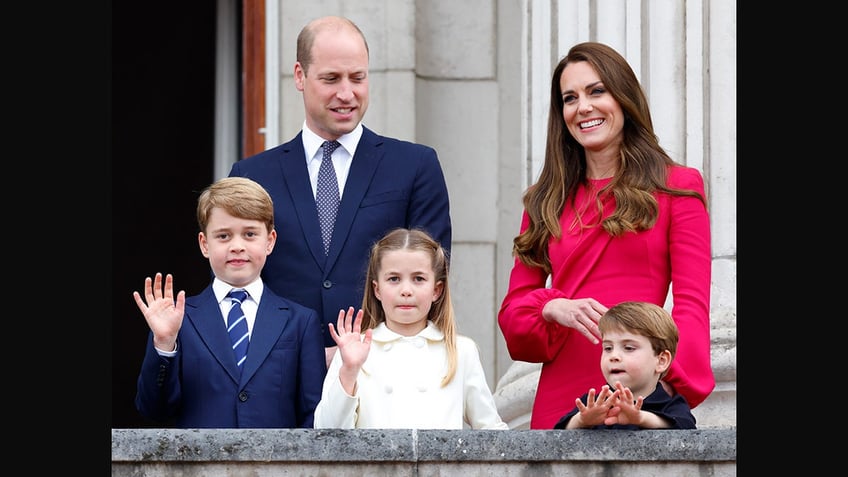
{"points": [[612, 218]]}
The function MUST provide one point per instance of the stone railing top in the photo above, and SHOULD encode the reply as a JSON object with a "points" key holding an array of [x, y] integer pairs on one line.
{"points": [[410, 445]]}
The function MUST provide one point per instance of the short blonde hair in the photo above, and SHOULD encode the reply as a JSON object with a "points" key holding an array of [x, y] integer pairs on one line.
{"points": [[645, 319], [238, 196]]}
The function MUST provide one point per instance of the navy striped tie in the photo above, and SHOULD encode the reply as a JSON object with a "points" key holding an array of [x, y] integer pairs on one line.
{"points": [[237, 326]]}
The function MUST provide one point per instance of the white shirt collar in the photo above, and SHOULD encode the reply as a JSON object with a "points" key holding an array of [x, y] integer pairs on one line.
{"points": [[221, 288], [312, 142]]}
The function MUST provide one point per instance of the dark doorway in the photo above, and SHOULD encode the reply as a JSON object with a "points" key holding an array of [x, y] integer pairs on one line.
{"points": [[163, 104]]}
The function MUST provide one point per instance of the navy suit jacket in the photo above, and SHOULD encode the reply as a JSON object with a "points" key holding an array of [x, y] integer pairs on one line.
{"points": [[391, 183], [201, 386]]}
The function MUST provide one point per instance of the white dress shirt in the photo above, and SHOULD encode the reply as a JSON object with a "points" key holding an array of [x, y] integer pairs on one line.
{"points": [[342, 156], [249, 306]]}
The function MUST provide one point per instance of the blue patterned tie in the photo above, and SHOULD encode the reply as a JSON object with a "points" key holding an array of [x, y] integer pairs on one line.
{"points": [[327, 194], [237, 326]]}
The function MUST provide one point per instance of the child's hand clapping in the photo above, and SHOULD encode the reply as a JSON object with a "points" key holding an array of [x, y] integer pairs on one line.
{"points": [[596, 409], [627, 410]]}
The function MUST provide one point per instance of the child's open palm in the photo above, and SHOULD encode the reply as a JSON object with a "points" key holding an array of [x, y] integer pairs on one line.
{"points": [[353, 346], [164, 315]]}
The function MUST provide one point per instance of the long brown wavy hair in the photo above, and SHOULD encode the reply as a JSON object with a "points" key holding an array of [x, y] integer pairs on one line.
{"points": [[643, 167]]}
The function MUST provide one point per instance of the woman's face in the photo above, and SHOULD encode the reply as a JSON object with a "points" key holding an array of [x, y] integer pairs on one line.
{"points": [[593, 117]]}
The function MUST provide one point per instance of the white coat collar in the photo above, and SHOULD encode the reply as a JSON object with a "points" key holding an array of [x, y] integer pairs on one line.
{"points": [[383, 334]]}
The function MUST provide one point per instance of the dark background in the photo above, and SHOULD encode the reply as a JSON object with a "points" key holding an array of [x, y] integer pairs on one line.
{"points": [[163, 103]]}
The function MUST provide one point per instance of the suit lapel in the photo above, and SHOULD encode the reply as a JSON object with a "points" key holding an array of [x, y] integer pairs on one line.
{"points": [[271, 318], [296, 175], [369, 153], [204, 314]]}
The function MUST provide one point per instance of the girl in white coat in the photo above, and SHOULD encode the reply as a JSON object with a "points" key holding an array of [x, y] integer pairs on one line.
{"points": [[409, 369]]}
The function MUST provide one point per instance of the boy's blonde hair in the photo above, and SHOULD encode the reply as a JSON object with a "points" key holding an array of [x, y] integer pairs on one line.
{"points": [[645, 319], [238, 196]]}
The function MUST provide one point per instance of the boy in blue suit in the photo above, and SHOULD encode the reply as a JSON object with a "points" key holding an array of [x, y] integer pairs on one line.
{"points": [[189, 373], [383, 183]]}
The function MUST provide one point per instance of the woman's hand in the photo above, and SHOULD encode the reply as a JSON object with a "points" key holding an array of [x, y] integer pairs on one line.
{"points": [[581, 314]]}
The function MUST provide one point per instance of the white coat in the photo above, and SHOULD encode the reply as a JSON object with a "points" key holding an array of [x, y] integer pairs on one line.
{"points": [[399, 387]]}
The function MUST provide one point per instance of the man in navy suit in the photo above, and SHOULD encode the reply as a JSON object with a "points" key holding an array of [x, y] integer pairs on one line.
{"points": [[383, 182], [190, 374]]}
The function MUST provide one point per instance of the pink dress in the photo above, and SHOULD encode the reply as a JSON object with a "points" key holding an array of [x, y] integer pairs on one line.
{"points": [[589, 263]]}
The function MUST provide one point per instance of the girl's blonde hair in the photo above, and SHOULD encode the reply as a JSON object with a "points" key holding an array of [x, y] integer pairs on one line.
{"points": [[441, 312]]}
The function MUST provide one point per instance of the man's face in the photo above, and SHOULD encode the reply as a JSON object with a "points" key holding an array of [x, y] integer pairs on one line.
{"points": [[335, 88]]}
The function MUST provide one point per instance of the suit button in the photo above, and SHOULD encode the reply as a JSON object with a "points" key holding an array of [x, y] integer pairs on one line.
{"points": [[160, 377], [327, 284], [243, 396]]}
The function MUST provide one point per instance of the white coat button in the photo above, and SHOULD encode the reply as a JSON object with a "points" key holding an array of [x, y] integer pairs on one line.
{"points": [[389, 389]]}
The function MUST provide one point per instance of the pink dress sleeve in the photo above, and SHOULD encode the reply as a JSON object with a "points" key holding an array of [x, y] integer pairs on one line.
{"points": [[528, 336], [691, 260]]}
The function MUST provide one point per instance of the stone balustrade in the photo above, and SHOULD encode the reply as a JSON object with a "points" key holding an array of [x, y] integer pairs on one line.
{"points": [[419, 453]]}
